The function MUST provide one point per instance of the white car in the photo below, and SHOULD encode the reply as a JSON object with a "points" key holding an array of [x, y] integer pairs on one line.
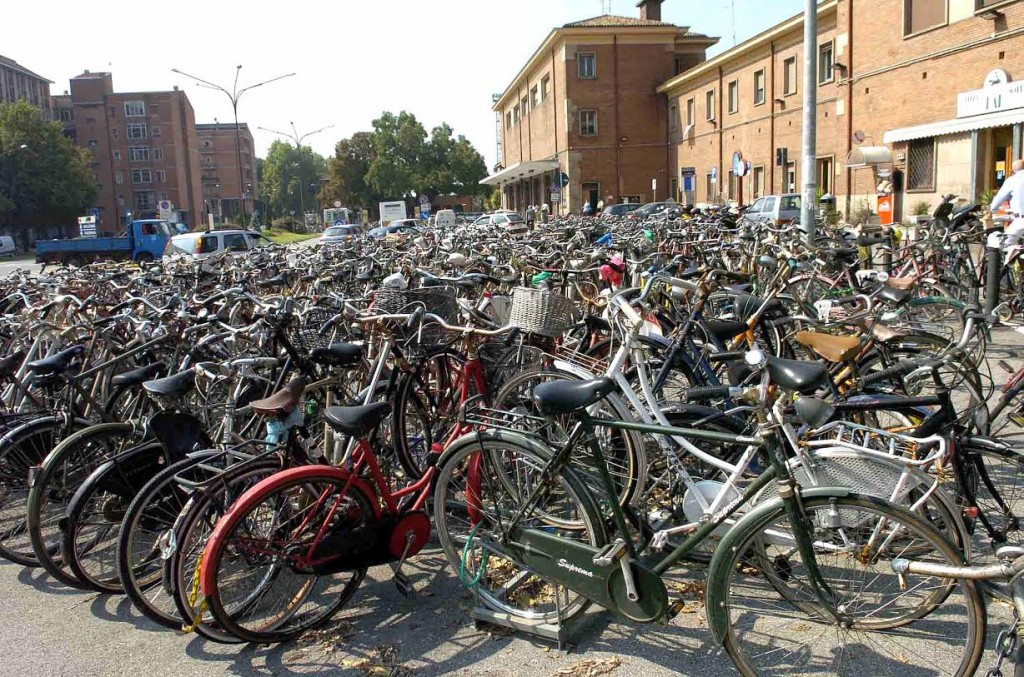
{"points": [[341, 234], [198, 246]]}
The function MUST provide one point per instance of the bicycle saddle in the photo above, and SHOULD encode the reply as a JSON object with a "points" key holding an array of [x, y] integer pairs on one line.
{"points": [[743, 288], [832, 348], [9, 365], [140, 375], [796, 375], [337, 354], [357, 421], [902, 283], [746, 305], [57, 363], [896, 297], [723, 330], [283, 401], [562, 397], [276, 281], [172, 386]]}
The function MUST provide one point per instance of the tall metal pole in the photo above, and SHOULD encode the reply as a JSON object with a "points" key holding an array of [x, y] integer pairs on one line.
{"points": [[808, 206], [294, 136]]}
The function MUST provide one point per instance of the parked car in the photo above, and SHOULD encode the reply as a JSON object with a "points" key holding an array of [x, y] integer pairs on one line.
{"points": [[653, 209], [7, 247], [399, 227], [779, 209], [199, 246], [510, 221], [623, 209], [341, 234]]}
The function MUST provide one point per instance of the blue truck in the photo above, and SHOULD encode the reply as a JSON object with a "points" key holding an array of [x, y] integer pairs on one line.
{"points": [[144, 242]]}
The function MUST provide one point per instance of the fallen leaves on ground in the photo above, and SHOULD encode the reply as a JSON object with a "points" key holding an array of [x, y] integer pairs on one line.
{"points": [[591, 667], [381, 662]]}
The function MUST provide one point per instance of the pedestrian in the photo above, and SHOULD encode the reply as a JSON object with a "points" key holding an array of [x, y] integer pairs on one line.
{"points": [[531, 216], [587, 209], [1012, 191], [544, 210]]}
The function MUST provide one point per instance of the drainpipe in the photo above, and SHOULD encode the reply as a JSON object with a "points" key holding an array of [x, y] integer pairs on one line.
{"points": [[771, 124], [719, 116], [618, 137], [554, 118], [849, 104]]}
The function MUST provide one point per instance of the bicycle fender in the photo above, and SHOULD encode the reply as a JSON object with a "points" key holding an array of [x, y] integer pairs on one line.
{"points": [[718, 620], [256, 494], [125, 474]]}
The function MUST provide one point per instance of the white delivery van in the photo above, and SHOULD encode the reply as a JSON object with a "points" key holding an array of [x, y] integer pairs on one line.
{"points": [[445, 218], [6, 245]]}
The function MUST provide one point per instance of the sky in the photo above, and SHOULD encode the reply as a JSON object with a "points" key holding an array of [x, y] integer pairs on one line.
{"points": [[439, 59]]}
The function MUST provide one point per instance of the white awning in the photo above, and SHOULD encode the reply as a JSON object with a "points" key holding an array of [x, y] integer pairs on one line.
{"points": [[868, 156], [1001, 118], [520, 170]]}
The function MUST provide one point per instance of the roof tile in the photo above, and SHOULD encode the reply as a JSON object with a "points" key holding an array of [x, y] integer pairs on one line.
{"points": [[611, 21]]}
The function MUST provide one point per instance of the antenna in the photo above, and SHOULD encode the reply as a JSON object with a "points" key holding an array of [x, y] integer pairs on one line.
{"points": [[732, 8], [606, 6]]}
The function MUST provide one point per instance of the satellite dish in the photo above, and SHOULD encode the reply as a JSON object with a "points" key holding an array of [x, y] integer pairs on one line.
{"points": [[858, 136]]}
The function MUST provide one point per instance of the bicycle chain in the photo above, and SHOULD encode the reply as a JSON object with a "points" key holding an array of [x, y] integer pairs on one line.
{"points": [[1005, 644]]}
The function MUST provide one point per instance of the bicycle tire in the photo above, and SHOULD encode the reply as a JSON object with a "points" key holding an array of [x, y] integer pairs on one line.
{"points": [[435, 404]]}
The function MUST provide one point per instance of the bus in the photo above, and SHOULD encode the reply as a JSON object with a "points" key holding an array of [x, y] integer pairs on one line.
{"points": [[335, 215]]}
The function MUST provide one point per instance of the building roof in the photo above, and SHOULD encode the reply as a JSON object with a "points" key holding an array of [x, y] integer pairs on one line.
{"points": [[220, 127], [612, 21], [11, 63]]}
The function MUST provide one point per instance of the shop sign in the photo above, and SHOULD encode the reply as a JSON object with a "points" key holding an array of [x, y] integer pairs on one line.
{"points": [[996, 96]]}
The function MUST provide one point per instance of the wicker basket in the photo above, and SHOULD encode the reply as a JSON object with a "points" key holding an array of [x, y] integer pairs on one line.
{"points": [[439, 301], [502, 362], [540, 312]]}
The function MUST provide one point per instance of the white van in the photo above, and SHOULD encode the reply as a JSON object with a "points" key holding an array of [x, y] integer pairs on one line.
{"points": [[6, 245], [445, 218]]}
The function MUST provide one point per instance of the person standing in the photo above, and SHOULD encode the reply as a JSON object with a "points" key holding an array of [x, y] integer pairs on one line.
{"points": [[1012, 191], [587, 208], [531, 217]]}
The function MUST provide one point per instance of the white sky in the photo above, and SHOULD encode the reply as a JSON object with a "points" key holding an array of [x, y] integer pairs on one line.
{"points": [[439, 59]]}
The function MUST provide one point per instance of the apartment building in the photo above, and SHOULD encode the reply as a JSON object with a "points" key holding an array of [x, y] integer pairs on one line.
{"points": [[18, 83], [919, 93], [228, 194], [144, 145], [584, 111]]}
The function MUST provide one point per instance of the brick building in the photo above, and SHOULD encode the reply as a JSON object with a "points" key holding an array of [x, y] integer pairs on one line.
{"points": [[18, 83], [585, 105], [903, 80], [144, 146], [222, 191]]}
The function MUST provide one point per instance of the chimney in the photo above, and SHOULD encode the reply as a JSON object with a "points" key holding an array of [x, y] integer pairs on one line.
{"points": [[650, 9]]}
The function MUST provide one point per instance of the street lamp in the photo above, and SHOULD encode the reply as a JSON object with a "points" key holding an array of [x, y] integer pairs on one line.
{"points": [[235, 94], [294, 136]]}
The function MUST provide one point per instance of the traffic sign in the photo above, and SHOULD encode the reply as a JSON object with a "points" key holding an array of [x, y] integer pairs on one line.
{"points": [[714, 174], [424, 200], [556, 196], [688, 171], [555, 188], [562, 180], [339, 222], [87, 226]]}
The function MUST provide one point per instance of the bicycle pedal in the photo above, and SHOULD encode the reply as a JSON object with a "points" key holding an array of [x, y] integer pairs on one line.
{"points": [[674, 608], [404, 585], [1010, 552], [610, 553]]}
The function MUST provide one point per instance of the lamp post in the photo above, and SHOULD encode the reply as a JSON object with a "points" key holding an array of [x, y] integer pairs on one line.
{"points": [[234, 95], [297, 139]]}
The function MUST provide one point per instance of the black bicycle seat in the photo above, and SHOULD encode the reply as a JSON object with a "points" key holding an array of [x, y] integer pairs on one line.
{"points": [[337, 354], [738, 289], [800, 376], [140, 375], [896, 297], [562, 397], [57, 363], [746, 305], [172, 386], [723, 330], [276, 281], [357, 421]]}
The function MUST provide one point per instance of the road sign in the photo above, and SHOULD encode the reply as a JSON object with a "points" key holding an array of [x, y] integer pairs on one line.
{"points": [[556, 197], [337, 203], [555, 188], [339, 222], [714, 174], [166, 208], [87, 226], [688, 171], [424, 200], [562, 179]]}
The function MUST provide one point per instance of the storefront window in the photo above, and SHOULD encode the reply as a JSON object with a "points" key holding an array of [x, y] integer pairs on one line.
{"points": [[921, 165]]}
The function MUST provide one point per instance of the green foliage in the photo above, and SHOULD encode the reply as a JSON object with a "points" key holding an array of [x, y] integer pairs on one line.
{"points": [[289, 179], [49, 180], [492, 200], [922, 208], [399, 159], [861, 214], [286, 223]]}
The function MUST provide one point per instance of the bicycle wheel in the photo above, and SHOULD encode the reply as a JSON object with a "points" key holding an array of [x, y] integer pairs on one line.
{"points": [[143, 536], [426, 406], [255, 576], [917, 625], [58, 478], [472, 507], [991, 480]]}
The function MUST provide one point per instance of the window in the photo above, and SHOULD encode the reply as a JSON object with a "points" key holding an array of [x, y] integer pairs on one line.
{"points": [[156, 131], [545, 83], [90, 121], [709, 105], [921, 165], [235, 242], [118, 177], [673, 189], [757, 181], [113, 111], [982, 4], [508, 120], [732, 185], [759, 87], [535, 96], [709, 187], [142, 176], [113, 132], [791, 177], [136, 130], [208, 160], [586, 65], [145, 201], [920, 15], [524, 104], [138, 153], [66, 115], [515, 114], [734, 96], [789, 76], [92, 144], [158, 153], [825, 171], [207, 143], [164, 197], [117, 156], [679, 64], [161, 176], [825, 63], [757, 207], [588, 123], [673, 118], [690, 106], [134, 109]]}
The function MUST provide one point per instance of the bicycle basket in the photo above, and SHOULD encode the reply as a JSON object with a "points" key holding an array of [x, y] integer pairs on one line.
{"points": [[501, 362], [308, 329], [540, 312], [438, 301]]}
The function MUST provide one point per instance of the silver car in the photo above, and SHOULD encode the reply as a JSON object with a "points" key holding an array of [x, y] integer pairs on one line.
{"points": [[779, 209]]}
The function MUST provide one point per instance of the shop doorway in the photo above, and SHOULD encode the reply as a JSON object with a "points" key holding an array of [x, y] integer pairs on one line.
{"points": [[1002, 157], [592, 194]]}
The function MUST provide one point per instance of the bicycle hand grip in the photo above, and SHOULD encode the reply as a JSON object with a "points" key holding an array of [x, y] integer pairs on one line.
{"points": [[415, 318], [704, 393]]}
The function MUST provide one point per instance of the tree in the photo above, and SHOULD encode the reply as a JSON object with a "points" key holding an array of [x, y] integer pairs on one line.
{"points": [[290, 179], [346, 174], [399, 142], [44, 178]]}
